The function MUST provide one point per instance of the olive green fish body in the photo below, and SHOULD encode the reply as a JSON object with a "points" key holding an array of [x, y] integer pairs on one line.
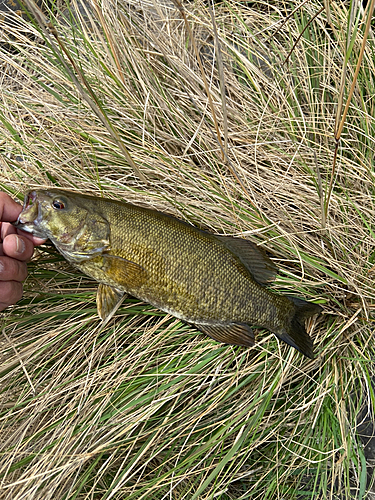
{"points": [[214, 282]]}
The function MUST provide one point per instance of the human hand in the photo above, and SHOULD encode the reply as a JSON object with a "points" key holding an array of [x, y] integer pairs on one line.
{"points": [[16, 248]]}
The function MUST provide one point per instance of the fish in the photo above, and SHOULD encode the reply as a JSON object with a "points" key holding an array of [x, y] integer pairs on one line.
{"points": [[217, 283]]}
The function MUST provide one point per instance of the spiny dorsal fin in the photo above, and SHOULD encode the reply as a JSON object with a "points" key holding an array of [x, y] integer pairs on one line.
{"points": [[252, 257], [232, 333]]}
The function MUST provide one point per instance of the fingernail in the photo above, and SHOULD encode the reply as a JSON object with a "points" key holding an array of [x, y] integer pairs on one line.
{"points": [[20, 245]]}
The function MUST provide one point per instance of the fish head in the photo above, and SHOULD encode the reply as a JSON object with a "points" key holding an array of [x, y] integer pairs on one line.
{"points": [[67, 219]]}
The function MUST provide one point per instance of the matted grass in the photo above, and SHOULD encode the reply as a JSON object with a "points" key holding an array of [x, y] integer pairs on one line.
{"points": [[224, 116]]}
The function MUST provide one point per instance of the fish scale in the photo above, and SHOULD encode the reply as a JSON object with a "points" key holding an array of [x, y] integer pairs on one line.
{"points": [[214, 282]]}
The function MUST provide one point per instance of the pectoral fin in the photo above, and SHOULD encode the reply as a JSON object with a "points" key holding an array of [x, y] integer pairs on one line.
{"points": [[108, 300], [125, 273], [232, 333]]}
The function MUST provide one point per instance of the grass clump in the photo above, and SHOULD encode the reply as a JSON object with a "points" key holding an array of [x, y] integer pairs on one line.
{"points": [[232, 117]]}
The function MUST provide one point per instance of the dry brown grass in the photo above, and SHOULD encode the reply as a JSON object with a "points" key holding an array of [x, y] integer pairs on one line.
{"points": [[148, 408]]}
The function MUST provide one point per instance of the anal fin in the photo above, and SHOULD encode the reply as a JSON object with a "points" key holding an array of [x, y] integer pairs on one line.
{"points": [[230, 333], [108, 300]]}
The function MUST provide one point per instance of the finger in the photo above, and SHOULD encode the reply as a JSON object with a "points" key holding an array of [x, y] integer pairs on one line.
{"points": [[12, 269], [10, 293], [36, 241], [18, 247], [9, 209], [6, 229]]}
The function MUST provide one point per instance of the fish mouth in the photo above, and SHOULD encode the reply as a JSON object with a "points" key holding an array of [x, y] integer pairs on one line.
{"points": [[31, 216]]}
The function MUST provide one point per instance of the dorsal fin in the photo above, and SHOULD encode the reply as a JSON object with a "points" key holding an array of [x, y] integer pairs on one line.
{"points": [[252, 257]]}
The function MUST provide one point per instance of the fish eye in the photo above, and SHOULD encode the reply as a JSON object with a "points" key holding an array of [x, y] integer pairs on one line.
{"points": [[58, 205]]}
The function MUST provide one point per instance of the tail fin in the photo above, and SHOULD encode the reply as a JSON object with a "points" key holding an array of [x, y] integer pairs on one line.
{"points": [[295, 333]]}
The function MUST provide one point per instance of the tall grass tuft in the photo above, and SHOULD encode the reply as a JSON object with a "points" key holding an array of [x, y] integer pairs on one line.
{"points": [[244, 118]]}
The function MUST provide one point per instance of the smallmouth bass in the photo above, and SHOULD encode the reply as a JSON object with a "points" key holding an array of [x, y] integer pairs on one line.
{"points": [[215, 282]]}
